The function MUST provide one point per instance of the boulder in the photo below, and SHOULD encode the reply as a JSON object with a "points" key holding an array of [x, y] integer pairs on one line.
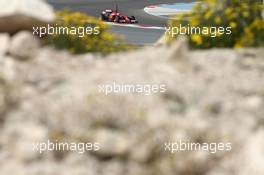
{"points": [[56, 97], [24, 45], [179, 49], [18, 15], [19, 140], [4, 43], [112, 143], [7, 98]]}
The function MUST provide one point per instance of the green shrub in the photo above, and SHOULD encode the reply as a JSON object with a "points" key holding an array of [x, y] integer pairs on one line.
{"points": [[242, 17], [76, 39]]}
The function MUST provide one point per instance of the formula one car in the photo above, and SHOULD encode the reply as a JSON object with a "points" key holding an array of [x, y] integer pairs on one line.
{"points": [[114, 16]]}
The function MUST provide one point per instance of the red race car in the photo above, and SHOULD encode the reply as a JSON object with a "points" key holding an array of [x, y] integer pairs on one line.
{"points": [[114, 16]]}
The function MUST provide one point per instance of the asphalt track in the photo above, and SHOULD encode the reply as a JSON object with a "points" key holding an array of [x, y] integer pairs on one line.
{"points": [[137, 36]]}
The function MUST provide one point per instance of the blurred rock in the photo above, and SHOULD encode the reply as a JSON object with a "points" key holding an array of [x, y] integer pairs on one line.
{"points": [[56, 95], [112, 144], [7, 68], [252, 154], [8, 97], [4, 44], [24, 45], [248, 161], [16, 15], [19, 140], [179, 49]]}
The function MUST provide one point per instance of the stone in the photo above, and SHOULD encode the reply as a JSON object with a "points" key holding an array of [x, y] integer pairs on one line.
{"points": [[19, 139], [58, 98], [179, 49], [18, 15], [7, 68], [112, 143], [8, 98], [4, 43], [24, 45]]}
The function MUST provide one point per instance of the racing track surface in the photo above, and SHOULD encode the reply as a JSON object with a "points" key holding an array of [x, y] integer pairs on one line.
{"points": [[129, 7]]}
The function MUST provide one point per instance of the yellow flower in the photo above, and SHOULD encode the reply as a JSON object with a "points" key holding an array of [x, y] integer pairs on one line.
{"points": [[194, 22], [233, 24], [208, 14], [217, 20], [238, 45], [197, 39], [228, 11]]}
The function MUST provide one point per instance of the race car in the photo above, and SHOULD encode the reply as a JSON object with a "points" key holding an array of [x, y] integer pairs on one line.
{"points": [[125, 19], [114, 16], [106, 14]]}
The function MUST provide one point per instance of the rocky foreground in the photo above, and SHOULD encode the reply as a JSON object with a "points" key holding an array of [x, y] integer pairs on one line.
{"points": [[211, 96]]}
